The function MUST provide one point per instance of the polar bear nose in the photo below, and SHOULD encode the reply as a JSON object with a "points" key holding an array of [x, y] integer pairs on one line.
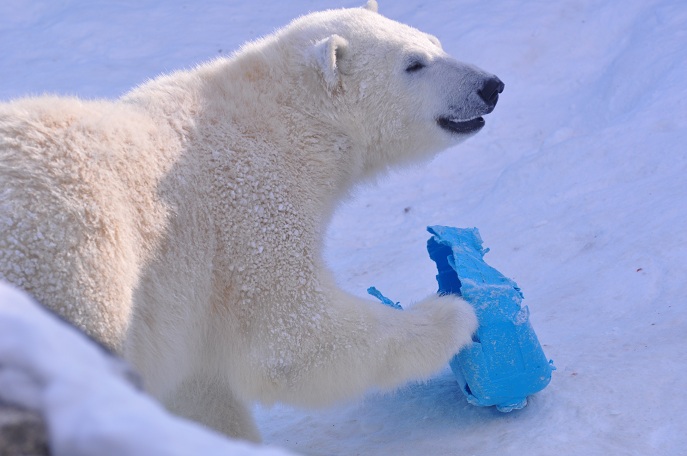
{"points": [[490, 91]]}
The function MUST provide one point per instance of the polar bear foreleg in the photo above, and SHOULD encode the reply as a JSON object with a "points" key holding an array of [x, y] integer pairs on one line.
{"points": [[367, 344], [209, 400]]}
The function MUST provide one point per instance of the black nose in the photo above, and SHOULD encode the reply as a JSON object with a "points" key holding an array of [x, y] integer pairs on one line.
{"points": [[490, 91]]}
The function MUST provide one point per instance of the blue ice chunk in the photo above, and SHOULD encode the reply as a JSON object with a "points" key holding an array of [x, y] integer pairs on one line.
{"points": [[378, 294], [505, 362]]}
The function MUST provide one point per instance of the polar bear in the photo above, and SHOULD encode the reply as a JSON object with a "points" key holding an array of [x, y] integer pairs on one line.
{"points": [[182, 224]]}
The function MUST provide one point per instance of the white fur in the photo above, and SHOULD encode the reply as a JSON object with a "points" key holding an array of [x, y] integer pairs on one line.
{"points": [[182, 224]]}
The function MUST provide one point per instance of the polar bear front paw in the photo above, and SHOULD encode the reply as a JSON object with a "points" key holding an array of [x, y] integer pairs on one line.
{"points": [[452, 317], [434, 330]]}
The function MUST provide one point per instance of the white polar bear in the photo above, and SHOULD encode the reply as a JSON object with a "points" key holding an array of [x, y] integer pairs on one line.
{"points": [[183, 223]]}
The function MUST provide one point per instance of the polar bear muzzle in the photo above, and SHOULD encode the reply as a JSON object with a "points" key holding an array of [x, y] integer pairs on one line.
{"points": [[489, 94]]}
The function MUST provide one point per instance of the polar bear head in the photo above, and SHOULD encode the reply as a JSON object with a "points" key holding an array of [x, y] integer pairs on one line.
{"points": [[390, 88]]}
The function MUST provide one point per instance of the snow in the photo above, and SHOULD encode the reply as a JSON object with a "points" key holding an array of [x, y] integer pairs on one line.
{"points": [[577, 185], [85, 396]]}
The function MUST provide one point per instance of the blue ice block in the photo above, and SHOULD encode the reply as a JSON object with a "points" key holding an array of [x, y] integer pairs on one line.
{"points": [[505, 362]]}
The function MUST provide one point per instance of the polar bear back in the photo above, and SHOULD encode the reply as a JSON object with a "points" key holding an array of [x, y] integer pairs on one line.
{"points": [[77, 194]]}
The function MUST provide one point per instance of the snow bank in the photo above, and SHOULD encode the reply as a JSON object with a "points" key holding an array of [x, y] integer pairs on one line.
{"points": [[85, 395]]}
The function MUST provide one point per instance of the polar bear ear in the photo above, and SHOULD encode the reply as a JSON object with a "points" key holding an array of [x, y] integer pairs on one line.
{"points": [[328, 54], [372, 6]]}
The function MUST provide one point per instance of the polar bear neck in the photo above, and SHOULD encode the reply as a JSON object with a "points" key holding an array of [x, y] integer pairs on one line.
{"points": [[231, 102], [247, 148]]}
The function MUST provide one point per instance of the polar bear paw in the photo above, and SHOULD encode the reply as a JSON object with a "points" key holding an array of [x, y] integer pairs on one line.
{"points": [[435, 329], [452, 317]]}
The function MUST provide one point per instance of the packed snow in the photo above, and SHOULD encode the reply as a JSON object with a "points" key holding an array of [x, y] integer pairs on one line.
{"points": [[577, 185]]}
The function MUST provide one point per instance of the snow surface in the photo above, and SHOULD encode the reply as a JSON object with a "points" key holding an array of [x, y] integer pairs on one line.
{"points": [[577, 183]]}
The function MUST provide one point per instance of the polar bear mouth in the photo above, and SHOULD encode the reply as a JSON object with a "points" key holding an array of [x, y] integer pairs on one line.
{"points": [[461, 126]]}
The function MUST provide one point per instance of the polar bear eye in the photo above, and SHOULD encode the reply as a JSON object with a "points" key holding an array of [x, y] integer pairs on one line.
{"points": [[414, 66]]}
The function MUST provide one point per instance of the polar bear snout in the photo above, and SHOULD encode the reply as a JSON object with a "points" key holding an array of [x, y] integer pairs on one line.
{"points": [[474, 96], [489, 92]]}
